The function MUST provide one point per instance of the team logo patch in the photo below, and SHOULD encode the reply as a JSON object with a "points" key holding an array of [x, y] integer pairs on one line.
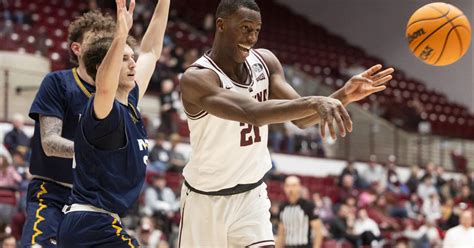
{"points": [[257, 67], [261, 77]]}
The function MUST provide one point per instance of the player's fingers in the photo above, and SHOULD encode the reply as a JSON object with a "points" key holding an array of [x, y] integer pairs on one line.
{"points": [[382, 74], [346, 117], [382, 81], [322, 128], [131, 7], [332, 130], [377, 89], [372, 70], [340, 123]]}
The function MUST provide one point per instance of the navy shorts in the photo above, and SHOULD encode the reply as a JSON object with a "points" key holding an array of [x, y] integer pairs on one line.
{"points": [[45, 201], [90, 229]]}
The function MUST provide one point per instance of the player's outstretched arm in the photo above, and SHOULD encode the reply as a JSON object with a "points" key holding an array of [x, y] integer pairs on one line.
{"points": [[107, 79], [53, 144], [357, 88], [152, 45], [201, 91]]}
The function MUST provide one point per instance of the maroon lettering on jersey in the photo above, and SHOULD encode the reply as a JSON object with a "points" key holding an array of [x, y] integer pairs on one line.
{"points": [[246, 137]]}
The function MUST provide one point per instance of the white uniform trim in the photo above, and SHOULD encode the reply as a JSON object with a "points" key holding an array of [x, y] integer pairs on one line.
{"points": [[76, 207]]}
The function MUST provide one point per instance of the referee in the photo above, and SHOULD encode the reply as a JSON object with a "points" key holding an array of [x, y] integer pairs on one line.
{"points": [[297, 219]]}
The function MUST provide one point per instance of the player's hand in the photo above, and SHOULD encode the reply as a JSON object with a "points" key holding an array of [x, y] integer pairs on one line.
{"points": [[331, 110], [124, 16], [366, 83]]}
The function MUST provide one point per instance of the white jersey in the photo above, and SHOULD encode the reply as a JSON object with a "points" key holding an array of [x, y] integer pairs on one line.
{"points": [[224, 152]]}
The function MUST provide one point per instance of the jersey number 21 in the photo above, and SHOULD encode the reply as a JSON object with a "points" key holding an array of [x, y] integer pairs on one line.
{"points": [[247, 137]]}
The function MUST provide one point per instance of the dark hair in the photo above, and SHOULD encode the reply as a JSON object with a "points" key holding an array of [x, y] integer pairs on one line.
{"points": [[229, 7], [90, 21], [96, 49]]}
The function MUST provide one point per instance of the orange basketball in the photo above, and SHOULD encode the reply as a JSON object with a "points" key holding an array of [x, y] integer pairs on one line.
{"points": [[438, 34]]}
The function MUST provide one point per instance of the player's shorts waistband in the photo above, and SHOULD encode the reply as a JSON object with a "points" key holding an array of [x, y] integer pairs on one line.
{"points": [[47, 179], [239, 188], [76, 207]]}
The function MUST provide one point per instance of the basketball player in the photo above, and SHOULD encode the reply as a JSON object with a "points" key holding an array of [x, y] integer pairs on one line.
{"points": [[56, 110], [111, 146], [230, 96]]}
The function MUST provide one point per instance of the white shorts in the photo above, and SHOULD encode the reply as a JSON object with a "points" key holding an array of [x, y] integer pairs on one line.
{"points": [[240, 220]]}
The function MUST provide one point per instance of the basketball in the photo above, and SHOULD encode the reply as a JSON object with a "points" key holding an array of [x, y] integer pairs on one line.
{"points": [[438, 34]]}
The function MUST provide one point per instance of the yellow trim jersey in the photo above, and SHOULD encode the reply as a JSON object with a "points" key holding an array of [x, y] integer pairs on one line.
{"points": [[227, 153]]}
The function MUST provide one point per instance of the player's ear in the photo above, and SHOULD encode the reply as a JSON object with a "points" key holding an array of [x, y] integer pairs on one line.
{"points": [[76, 48], [220, 24]]}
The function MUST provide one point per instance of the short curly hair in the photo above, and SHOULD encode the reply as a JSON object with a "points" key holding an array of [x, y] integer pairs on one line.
{"points": [[96, 49], [93, 21]]}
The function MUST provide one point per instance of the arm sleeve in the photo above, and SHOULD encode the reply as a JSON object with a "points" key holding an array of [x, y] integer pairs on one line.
{"points": [[310, 211], [49, 100], [105, 134]]}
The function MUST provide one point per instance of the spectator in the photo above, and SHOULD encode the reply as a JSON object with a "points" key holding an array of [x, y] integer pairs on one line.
{"points": [[471, 180], [392, 175], [367, 229], [159, 198], [459, 161], [430, 172], [413, 207], [350, 170], [150, 237], [367, 197], [414, 179], [381, 214], [439, 180], [169, 101], [461, 236], [449, 218], [9, 242], [342, 226], [160, 202], [16, 137], [394, 184], [323, 207], [347, 189], [465, 196], [431, 208], [426, 188], [159, 155], [9, 180], [426, 236], [177, 159], [374, 173], [297, 214]]}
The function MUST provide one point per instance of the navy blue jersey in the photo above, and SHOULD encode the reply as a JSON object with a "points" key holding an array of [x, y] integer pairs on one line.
{"points": [[62, 94], [111, 179]]}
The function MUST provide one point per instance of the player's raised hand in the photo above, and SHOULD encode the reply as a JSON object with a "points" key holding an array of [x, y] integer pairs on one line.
{"points": [[331, 110], [366, 83], [124, 16]]}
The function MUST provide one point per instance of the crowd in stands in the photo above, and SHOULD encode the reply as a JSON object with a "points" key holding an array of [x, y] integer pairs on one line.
{"points": [[374, 207]]}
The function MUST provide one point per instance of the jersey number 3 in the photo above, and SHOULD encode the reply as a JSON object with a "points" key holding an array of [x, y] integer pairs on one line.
{"points": [[246, 136]]}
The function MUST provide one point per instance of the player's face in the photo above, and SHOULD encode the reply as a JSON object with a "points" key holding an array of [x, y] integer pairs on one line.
{"points": [[127, 72], [240, 32]]}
